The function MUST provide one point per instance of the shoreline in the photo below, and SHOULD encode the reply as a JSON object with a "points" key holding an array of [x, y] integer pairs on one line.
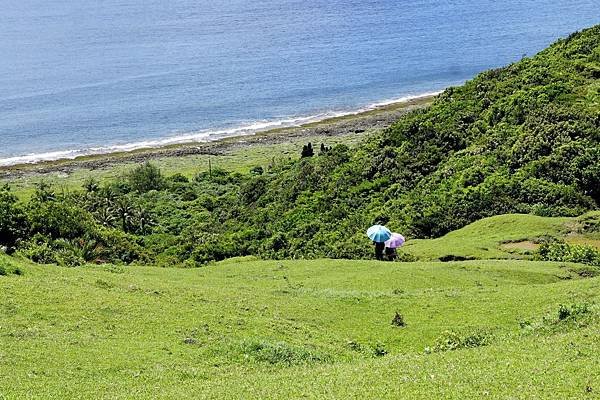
{"points": [[377, 116]]}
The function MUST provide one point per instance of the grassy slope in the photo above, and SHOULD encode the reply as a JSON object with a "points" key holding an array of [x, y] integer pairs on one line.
{"points": [[488, 238], [100, 332]]}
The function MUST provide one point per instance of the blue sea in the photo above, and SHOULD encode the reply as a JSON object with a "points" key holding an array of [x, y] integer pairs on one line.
{"points": [[89, 76]]}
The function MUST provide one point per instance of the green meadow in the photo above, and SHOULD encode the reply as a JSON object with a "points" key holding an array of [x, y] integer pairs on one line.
{"points": [[246, 328], [507, 236]]}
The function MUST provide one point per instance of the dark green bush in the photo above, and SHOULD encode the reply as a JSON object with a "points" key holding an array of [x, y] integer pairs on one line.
{"points": [[13, 220], [572, 312], [146, 177], [38, 249], [398, 320], [379, 350]]}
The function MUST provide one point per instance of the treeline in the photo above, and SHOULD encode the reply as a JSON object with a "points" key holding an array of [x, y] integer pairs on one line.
{"points": [[525, 138]]}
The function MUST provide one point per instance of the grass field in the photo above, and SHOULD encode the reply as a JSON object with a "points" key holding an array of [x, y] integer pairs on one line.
{"points": [[317, 329]]}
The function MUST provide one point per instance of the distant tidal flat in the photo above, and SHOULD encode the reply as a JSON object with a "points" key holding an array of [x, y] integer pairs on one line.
{"points": [[203, 137]]}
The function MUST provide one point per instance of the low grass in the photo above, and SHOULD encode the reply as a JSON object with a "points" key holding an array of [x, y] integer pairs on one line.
{"points": [[511, 236], [246, 328]]}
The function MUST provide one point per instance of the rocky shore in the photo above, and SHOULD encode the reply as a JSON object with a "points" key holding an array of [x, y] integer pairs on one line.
{"points": [[375, 119]]}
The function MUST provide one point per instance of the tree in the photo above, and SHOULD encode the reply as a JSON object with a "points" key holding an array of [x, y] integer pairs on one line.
{"points": [[146, 177]]}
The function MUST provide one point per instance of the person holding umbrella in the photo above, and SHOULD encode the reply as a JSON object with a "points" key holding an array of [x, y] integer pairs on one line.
{"points": [[379, 234], [395, 241]]}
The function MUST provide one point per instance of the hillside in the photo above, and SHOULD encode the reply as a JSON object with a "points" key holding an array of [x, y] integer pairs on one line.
{"points": [[521, 139], [507, 236], [241, 328], [322, 328]]}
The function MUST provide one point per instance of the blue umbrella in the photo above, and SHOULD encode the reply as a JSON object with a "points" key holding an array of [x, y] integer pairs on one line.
{"points": [[379, 233]]}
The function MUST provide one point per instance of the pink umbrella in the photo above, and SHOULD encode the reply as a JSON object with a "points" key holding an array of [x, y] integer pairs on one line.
{"points": [[395, 241]]}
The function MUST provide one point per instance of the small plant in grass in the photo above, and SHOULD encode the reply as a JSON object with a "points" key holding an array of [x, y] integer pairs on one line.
{"points": [[525, 324], [115, 269], [18, 271], [566, 318], [379, 350], [398, 320], [102, 284], [586, 271], [281, 353], [572, 312], [3, 271], [450, 340], [354, 346]]}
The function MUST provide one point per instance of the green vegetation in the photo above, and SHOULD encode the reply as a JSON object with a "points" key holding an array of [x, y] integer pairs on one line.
{"points": [[231, 154], [494, 184], [521, 139], [570, 253], [501, 236], [282, 329]]}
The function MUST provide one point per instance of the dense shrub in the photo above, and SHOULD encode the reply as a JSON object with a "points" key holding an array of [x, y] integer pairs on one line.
{"points": [[147, 177], [560, 251], [13, 220], [58, 216]]}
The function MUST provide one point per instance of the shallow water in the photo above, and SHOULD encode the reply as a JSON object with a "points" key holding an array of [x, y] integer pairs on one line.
{"points": [[88, 76]]}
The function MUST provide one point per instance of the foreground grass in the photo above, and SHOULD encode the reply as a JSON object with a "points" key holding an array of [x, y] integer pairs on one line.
{"points": [[269, 329]]}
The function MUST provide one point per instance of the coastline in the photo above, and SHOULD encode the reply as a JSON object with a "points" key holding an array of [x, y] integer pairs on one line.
{"points": [[377, 116]]}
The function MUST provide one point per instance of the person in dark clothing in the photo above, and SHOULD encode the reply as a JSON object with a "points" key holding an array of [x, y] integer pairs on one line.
{"points": [[390, 253], [379, 248]]}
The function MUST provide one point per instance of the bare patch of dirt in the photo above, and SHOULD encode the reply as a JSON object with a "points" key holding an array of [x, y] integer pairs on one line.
{"points": [[522, 245]]}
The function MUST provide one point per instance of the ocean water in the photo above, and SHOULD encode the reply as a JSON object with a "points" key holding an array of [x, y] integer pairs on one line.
{"points": [[85, 76]]}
